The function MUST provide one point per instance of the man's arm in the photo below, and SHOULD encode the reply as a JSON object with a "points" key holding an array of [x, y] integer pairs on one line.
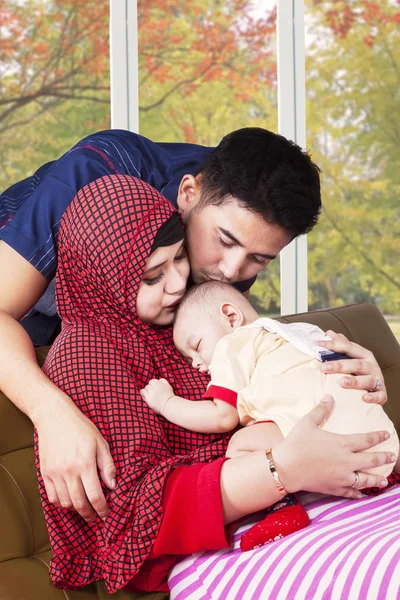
{"points": [[64, 433], [208, 416]]}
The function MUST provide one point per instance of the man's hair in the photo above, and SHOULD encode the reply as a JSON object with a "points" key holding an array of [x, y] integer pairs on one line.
{"points": [[268, 175], [203, 295]]}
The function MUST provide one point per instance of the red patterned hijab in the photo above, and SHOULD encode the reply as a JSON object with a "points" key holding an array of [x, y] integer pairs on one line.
{"points": [[102, 358]]}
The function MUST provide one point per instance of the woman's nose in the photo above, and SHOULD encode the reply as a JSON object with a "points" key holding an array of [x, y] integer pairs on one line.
{"points": [[176, 283]]}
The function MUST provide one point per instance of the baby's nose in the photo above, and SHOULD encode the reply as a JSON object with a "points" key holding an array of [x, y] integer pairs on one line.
{"points": [[198, 363]]}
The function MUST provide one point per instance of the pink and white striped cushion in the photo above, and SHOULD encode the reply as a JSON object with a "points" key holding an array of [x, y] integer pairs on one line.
{"points": [[351, 551]]}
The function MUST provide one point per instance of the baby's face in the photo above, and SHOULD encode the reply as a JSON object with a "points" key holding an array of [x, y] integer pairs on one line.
{"points": [[196, 334]]}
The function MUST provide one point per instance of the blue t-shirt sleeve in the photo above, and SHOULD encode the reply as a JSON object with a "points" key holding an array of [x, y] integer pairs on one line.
{"points": [[34, 229]]}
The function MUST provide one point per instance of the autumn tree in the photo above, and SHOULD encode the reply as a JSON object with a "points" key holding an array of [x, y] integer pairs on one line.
{"points": [[205, 68], [353, 122], [55, 59], [55, 88]]}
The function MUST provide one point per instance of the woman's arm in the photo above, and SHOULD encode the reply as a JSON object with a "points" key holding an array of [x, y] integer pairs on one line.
{"points": [[208, 416], [361, 373], [71, 448]]}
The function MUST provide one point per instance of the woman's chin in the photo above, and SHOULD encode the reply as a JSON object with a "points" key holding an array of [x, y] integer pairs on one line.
{"points": [[164, 320]]}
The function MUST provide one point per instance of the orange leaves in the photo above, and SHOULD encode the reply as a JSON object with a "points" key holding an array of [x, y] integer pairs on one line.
{"points": [[242, 97], [41, 49], [163, 73], [203, 41], [367, 16], [189, 134], [341, 21], [369, 40], [214, 74]]}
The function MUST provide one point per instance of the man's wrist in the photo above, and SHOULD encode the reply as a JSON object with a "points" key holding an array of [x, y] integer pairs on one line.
{"points": [[50, 402]]}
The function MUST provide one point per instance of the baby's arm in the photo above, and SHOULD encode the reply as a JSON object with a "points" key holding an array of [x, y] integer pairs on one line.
{"points": [[207, 416]]}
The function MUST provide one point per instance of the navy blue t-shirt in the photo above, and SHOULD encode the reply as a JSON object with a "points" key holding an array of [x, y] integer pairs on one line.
{"points": [[31, 210]]}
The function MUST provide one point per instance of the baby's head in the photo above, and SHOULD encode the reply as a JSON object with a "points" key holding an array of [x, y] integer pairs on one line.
{"points": [[208, 312]]}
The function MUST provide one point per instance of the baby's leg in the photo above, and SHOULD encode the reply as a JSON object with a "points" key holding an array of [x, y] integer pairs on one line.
{"points": [[283, 517], [260, 436]]}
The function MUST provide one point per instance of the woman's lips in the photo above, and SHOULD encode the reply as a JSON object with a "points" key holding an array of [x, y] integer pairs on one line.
{"points": [[175, 304]]}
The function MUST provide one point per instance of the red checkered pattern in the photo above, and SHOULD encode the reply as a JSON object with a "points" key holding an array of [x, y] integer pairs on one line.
{"points": [[102, 357]]}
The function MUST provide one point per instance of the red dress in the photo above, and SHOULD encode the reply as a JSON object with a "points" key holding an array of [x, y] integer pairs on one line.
{"points": [[102, 358]]}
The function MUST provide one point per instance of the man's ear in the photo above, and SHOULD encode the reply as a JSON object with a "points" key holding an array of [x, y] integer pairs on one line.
{"points": [[188, 193], [233, 314]]}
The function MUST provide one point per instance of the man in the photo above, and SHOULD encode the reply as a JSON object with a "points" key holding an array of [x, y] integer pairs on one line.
{"points": [[241, 203], [263, 172]]}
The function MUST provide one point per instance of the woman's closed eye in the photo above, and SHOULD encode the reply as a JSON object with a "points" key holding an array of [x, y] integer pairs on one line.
{"points": [[154, 280], [182, 254]]}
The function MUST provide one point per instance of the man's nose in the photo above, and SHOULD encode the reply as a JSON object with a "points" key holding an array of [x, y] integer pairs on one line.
{"points": [[230, 266]]}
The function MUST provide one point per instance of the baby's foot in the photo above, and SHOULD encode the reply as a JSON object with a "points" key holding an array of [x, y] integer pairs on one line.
{"points": [[284, 517]]}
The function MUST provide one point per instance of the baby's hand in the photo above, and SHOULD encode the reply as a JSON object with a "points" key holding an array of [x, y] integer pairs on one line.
{"points": [[156, 394]]}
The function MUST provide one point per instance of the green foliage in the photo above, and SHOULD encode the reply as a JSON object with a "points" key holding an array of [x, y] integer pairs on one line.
{"points": [[354, 133]]}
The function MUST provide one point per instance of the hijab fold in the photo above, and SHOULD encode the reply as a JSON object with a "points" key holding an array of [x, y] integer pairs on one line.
{"points": [[102, 358]]}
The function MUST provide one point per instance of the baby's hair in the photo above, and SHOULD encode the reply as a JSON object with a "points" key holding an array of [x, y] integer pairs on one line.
{"points": [[202, 293]]}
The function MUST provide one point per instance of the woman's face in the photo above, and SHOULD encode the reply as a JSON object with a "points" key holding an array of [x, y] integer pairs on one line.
{"points": [[163, 284]]}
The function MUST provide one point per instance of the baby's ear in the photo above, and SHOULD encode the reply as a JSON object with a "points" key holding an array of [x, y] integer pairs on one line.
{"points": [[233, 314]]}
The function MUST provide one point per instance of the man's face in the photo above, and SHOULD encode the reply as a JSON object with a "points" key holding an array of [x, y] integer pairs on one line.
{"points": [[228, 242]]}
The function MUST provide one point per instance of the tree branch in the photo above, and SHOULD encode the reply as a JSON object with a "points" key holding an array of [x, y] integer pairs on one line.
{"points": [[359, 249]]}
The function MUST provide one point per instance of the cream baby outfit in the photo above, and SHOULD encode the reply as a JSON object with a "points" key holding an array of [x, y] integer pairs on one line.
{"points": [[271, 372]]}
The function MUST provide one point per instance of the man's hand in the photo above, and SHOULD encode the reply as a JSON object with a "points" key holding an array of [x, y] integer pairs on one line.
{"points": [[361, 371], [71, 452], [156, 394]]}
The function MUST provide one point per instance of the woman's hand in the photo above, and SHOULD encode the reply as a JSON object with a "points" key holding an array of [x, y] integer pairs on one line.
{"points": [[71, 452], [315, 460], [362, 372]]}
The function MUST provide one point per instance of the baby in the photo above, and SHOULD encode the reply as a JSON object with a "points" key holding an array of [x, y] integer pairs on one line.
{"points": [[262, 371]]}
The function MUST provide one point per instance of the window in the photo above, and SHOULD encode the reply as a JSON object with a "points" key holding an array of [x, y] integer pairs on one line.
{"points": [[206, 69], [353, 129]]}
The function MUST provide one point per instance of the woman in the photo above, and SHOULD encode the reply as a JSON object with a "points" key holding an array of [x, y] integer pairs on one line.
{"points": [[122, 269]]}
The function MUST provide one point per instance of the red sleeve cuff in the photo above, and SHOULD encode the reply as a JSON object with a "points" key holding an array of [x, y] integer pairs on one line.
{"points": [[193, 516], [193, 521], [221, 393]]}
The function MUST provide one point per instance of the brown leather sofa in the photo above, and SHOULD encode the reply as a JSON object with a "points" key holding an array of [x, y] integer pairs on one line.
{"points": [[24, 545]]}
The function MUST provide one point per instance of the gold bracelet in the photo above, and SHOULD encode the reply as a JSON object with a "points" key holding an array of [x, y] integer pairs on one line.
{"points": [[274, 474]]}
